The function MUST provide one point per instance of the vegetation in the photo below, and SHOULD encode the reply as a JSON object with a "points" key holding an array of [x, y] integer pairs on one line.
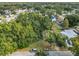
{"points": [[66, 23], [60, 40], [41, 53], [75, 48], [73, 20], [27, 29], [36, 27], [53, 37], [49, 36]]}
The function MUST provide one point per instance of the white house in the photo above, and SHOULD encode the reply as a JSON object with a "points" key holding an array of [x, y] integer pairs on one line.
{"points": [[70, 34]]}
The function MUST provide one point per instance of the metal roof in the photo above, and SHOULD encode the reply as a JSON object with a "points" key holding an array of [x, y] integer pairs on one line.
{"points": [[69, 33]]}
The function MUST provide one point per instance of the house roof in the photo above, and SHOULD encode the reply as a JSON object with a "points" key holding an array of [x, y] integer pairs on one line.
{"points": [[60, 53], [69, 33]]}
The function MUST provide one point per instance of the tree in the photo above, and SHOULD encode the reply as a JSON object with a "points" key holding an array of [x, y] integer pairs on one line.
{"points": [[49, 36], [73, 20], [75, 48], [66, 23], [60, 40], [68, 9], [7, 45], [23, 31]]}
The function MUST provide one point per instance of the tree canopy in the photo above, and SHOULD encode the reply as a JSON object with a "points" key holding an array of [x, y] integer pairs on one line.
{"points": [[23, 31]]}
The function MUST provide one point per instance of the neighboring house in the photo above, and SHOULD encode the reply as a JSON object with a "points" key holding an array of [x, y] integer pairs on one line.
{"points": [[60, 53], [70, 34], [7, 12], [18, 11], [60, 19], [64, 13]]}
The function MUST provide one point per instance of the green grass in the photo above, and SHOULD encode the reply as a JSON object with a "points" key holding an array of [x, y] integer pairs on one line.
{"points": [[39, 45]]}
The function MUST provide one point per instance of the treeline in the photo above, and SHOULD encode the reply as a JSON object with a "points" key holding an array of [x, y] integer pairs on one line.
{"points": [[42, 7]]}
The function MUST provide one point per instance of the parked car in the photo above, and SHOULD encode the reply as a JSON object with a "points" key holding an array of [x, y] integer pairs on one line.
{"points": [[34, 50]]}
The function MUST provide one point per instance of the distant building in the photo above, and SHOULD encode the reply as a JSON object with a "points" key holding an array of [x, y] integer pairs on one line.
{"points": [[7, 12]]}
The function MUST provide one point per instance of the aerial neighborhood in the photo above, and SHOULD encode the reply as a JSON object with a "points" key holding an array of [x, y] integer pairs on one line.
{"points": [[39, 29]]}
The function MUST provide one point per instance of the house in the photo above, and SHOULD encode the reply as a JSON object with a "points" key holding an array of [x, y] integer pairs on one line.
{"points": [[7, 12], [60, 19], [18, 11], [70, 34], [60, 53]]}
